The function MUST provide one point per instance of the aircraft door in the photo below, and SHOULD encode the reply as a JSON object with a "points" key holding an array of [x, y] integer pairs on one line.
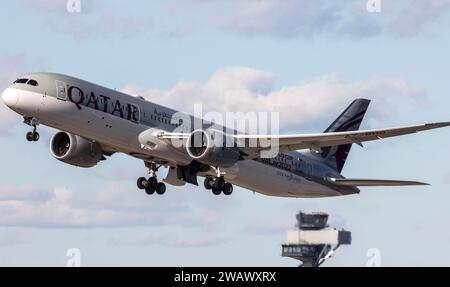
{"points": [[61, 90]]}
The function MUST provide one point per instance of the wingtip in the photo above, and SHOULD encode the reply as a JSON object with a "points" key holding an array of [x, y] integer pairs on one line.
{"points": [[440, 125], [422, 183]]}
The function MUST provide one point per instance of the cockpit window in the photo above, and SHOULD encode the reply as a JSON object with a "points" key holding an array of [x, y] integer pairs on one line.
{"points": [[33, 83], [20, 81]]}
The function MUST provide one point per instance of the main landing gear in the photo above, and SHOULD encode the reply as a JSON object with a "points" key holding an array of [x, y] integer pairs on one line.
{"points": [[218, 184], [33, 135], [151, 185]]}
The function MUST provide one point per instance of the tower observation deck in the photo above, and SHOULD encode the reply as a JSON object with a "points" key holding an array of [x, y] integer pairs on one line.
{"points": [[313, 241]]}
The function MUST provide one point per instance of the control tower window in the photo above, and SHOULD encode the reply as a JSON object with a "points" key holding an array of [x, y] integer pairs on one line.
{"points": [[33, 83], [20, 81]]}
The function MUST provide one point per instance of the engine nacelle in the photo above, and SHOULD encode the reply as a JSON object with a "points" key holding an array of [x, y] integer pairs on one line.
{"points": [[210, 147], [75, 150]]}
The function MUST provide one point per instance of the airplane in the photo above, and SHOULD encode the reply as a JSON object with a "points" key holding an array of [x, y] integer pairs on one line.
{"points": [[94, 122]]}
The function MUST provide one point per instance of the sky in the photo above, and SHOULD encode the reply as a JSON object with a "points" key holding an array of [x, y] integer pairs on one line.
{"points": [[306, 60]]}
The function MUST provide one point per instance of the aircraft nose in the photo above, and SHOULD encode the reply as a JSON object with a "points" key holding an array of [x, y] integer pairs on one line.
{"points": [[10, 97]]}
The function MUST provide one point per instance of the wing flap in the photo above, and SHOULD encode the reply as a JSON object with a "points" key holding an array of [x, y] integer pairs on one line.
{"points": [[372, 182]]}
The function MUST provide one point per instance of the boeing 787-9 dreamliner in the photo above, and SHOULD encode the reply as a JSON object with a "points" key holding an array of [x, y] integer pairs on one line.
{"points": [[95, 122]]}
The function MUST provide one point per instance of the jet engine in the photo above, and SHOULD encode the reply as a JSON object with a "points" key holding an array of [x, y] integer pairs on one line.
{"points": [[212, 147], [75, 150]]}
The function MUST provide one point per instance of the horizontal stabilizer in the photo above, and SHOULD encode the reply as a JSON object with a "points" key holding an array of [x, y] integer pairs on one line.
{"points": [[372, 182]]}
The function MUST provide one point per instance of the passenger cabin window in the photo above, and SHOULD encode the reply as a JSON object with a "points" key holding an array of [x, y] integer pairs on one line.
{"points": [[20, 81], [33, 83]]}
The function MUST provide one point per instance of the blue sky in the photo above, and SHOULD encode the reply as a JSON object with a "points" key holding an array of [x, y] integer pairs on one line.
{"points": [[304, 59]]}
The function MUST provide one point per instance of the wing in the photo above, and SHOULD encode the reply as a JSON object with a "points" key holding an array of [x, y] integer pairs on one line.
{"points": [[318, 141], [372, 182], [252, 145]]}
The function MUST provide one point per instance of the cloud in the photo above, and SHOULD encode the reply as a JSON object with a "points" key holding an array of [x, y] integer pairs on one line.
{"points": [[284, 19], [107, 24], [415, 17], [303, 18], [110, 207], [27, 192], [169, 239], [251, 90], [96, 20], [279, 19]]}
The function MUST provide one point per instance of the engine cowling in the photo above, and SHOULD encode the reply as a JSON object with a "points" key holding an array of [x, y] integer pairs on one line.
{"points": [[75, 150], [210, 147]]}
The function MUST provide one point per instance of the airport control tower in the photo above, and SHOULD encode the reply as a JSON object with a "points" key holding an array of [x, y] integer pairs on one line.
{"points": [[312, 241]]}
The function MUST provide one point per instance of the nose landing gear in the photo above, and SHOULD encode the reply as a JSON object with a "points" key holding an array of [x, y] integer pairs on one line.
{"points": [[151, 185], [33, 135]]}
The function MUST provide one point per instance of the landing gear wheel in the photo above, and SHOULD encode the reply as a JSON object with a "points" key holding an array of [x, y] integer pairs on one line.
{"points": [[149, 190], [35, 136], [218, 183], [29, 136], [216, 191], [227, 188], [141, 182], [33, 122], [160, 188], [152, 182], [208, 183]]}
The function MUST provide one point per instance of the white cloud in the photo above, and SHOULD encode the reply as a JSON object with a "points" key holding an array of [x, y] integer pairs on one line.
{"points": [[110, 207], [414, 17], [96, 18], [280, 19], [303, 18], [251, 90], [107, 24], [27, 192], [285, 18]]}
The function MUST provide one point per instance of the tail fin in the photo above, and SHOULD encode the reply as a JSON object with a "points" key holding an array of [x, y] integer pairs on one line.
{"points": [[349, 120]]}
